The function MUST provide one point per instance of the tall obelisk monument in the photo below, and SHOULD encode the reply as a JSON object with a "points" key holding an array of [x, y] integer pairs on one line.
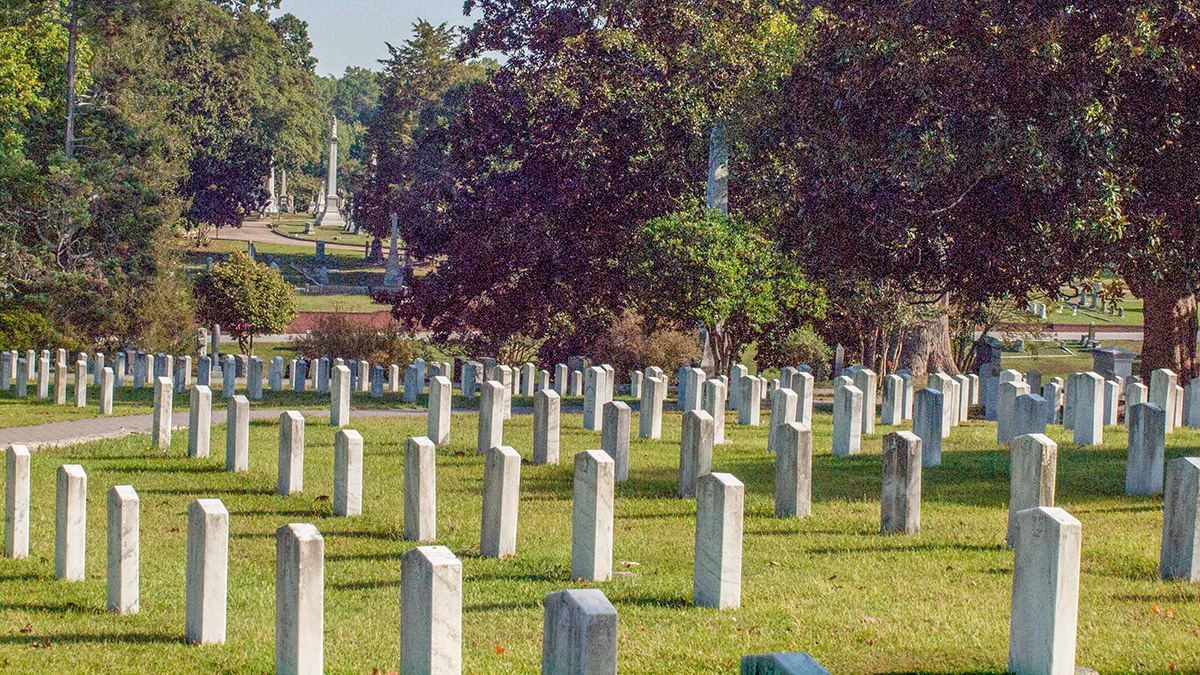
{"points": [[332, 213]]}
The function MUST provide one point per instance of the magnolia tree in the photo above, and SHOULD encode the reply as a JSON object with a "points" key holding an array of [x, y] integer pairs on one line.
{"points": [[246, 298]]}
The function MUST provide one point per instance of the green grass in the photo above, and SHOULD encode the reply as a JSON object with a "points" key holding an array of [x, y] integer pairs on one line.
{"points": [[127, 400], [337, 303], [1048, 359], [332, 234], [937, 602]]}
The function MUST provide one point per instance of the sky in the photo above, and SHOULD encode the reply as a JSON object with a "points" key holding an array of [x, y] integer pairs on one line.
{"points": [[353, 32]]}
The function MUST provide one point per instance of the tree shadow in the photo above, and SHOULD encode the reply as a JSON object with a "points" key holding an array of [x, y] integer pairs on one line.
{"points": [[60, 608], [93, 638]]}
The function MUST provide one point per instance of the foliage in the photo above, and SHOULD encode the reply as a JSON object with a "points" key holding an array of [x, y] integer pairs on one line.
{"points": [[629, 345], [338, 335], [23, 329], [792, 348], [697, 268], [246, 298]]}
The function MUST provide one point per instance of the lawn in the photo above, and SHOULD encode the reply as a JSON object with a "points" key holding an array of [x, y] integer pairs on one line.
{"points": [[337, 303], [1051, 361], [937, 602], [330, 233]]}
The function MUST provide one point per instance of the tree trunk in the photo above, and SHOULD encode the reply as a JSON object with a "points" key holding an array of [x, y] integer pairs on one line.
{"points": [[928, 348], [1170, 330]]}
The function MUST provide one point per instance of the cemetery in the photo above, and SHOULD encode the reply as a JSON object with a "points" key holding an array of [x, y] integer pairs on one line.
{"points": [[582, 338], [879, 559]]}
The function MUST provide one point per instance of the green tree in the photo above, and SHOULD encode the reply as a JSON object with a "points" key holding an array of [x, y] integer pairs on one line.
{"points": [[699, 268], [246, 297]]}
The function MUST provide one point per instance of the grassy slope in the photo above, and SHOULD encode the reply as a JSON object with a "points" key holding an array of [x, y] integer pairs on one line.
{"points": [[830, 585]]}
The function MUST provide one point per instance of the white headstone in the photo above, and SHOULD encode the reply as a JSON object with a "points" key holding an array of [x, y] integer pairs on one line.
{"points": [[695, 450], [1145, 453], [546, 408], [1032, 476], [614, 436], [501, 494], [717, 576], [123, 529], [491, 417], [291, 453], [70, 523], [199, 421], [847, 420], [793, 471], [1045, 595], [207, 571], [1180, 552], [430, 611], [420, 489], [579, 634], [592, 516], [16, 502], [299, 600], [237, 434]]}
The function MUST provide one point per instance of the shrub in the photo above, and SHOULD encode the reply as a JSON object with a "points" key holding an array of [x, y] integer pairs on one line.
{"points": [[800, 345], [246, 297], [627, 346], [23, 329], [336, 335]]}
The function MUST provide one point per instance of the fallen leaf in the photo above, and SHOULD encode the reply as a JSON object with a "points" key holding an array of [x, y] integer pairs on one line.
{"points": [[1170, 614], [1154, 608], [642, 629], [28, 628], [870, 619], [499, 649], [322, 498]]}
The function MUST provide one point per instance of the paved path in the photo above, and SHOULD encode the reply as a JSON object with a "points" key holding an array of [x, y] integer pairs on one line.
{"points": [[259, 232], [72, 432]]}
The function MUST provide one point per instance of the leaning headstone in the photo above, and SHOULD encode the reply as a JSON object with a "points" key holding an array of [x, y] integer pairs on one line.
{"points": [[1089, 420], [579, 633], [299, 600], [900, 498], [1145, 454], [16, 502], [793, 471], [339, 397], [237, 434], [430, 611], [1180, 552], [207, 572], [491, 417], [592, 516], [199, 421], [650, 411], [614, 436], [347, 473], [717, 574], [123, 526], [291, 453], [712, 401], [501, 494], [70, 523], [1045, 595], [546, 407], [847, 420], [420, 489], [695, 450], [1032, 474], [164, 398]]}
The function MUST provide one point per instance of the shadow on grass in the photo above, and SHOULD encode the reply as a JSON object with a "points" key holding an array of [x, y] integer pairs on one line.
{"points": [[93, 638], [491, 607], [60, 608], [365, 585], [200, 493], [902, 547]]}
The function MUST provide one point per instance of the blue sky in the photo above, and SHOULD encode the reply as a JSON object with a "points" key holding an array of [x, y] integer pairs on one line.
{"points": [[353, 32]]}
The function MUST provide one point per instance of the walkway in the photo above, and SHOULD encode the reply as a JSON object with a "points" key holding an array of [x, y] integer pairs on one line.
{"points": [[72, 432], [259, 232]]}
